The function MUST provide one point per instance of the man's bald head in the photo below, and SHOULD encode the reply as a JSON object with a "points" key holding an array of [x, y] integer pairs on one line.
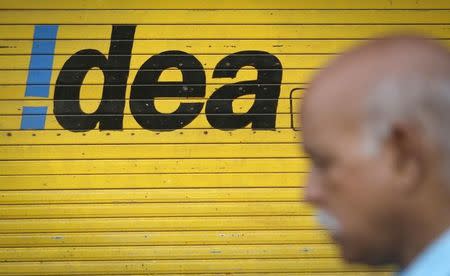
{"points": [[376, 124], [400, 78], [397, 55]]}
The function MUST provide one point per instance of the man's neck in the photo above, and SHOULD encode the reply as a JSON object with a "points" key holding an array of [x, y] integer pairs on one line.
{"points": [[428, 224]]}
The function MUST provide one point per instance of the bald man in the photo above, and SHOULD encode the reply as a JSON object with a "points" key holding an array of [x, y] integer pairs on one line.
{"points": [[376, 124]]}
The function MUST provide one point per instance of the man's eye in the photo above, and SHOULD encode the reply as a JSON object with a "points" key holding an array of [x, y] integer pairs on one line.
{"points": [[321, 163]]}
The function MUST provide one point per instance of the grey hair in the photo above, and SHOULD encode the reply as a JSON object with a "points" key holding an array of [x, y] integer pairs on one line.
{"points": [[423, 99]]}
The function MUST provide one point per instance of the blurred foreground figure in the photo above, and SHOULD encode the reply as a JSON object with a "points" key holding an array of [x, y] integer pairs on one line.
{"points": [[376, 124]]}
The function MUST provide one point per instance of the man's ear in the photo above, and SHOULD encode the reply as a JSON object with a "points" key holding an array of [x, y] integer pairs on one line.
{"points": [[407, 152]]}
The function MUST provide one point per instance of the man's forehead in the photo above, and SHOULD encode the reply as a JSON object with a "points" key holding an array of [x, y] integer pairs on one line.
{"points": [[345, 81], [337, 95], [333, 105], [336, 98], [332, 113], [353, 73]]}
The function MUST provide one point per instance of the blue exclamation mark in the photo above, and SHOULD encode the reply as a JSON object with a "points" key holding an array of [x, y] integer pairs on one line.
{"points": [[39, 74]]}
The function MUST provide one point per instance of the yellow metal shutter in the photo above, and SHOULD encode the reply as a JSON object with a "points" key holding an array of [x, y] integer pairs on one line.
{"points": [[216, 187]]}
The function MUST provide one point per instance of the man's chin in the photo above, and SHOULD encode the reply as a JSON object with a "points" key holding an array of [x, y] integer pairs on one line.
{"points": [[349, 253], [337, 239], [354, 255], [350, 257]]}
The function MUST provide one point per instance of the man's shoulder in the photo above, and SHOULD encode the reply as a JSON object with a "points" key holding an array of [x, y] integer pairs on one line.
{"points": [[434, 260]]}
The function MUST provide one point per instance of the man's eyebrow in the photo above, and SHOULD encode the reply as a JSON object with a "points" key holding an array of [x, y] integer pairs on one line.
{"points": [[308, 150], [314, 153]]}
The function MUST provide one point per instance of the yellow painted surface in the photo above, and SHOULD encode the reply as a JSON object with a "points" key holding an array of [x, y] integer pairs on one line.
{"points": [[249, 4], [147, 180], [231, 16], [185, 266], [151, 195], [39, 152], [223, 31], [140, 136], [32, 240], [157, 224], [171, 252], [194, 198], [154, 209], [12, 122]]}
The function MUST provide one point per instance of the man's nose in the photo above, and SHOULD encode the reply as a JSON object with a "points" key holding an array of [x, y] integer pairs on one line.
{"points": [[313, 191]]}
